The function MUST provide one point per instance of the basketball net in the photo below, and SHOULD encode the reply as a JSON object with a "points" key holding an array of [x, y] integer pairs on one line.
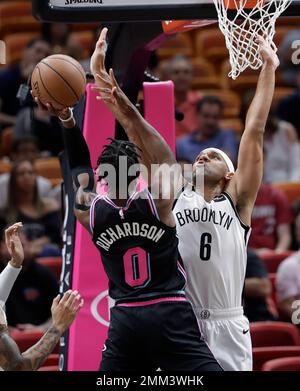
{"points": [[241, 21]]}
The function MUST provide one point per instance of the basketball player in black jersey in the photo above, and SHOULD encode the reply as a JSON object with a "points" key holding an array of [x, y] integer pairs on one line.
{"points": [[152, 325]]}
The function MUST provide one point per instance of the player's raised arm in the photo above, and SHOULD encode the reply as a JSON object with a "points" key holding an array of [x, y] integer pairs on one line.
{"points": [[154, 149], [79, 161], [247, 179], [64, 311]]}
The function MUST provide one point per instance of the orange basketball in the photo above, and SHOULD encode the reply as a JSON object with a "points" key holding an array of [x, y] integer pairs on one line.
{"points": [[58, 79]]}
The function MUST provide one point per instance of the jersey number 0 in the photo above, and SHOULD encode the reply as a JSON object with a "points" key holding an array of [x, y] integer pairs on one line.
{"points": [[136, 267]]}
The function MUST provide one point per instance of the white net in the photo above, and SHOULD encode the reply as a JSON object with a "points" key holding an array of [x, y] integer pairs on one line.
{"points": [[242, 26]]}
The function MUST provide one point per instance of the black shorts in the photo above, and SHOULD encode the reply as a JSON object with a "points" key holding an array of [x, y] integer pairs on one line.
{"points": [[163, 335]]}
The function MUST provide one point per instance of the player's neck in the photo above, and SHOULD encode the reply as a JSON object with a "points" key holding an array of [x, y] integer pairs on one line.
{"points": [[209, 191]]}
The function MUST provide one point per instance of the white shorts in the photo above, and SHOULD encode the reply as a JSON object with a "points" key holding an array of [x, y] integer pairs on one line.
{"points": [[227, 334]]}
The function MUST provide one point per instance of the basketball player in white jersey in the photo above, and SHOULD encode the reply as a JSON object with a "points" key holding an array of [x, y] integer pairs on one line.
{"points": [[213, 226]]}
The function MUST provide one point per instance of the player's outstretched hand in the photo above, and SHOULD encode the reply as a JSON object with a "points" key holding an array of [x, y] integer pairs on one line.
{"points": [[65, 309], [98, 57], [268, 54], [14, 245]]}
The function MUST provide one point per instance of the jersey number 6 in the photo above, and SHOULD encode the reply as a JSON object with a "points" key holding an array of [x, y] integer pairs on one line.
{"points": [[205, 246]]}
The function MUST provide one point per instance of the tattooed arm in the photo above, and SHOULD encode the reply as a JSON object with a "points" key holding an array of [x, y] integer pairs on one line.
{"points": [[64, 312]]}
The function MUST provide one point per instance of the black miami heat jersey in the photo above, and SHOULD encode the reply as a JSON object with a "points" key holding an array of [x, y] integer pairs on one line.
{"points": [[139, 252]]}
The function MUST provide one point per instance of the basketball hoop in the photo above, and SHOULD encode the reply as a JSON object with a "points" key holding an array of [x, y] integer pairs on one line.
{"points": [[241, 21]]}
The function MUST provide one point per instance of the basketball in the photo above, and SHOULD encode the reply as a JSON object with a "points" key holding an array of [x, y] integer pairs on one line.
{"points": [[59, 80]]}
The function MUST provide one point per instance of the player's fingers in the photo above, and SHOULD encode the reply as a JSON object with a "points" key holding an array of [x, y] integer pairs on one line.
{"points": [[65, 296], [56, 300], [75, 302], [40, 105], [113, 78], [103, 34], [71, 299], [12, 245], [80, 305]]}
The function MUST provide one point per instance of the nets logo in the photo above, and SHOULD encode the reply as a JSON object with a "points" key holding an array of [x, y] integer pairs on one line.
{"points": [[70, 2], [100, 308]]}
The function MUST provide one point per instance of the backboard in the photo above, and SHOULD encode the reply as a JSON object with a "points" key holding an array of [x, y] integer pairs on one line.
{"points": [[130, 10]]}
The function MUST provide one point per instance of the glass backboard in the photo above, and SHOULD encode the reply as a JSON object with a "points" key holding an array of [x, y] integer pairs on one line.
{"points": [[130, 10]]}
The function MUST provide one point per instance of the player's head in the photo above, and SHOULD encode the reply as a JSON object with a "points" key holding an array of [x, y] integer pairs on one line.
{"points": [[118, 157], [214, 166]]}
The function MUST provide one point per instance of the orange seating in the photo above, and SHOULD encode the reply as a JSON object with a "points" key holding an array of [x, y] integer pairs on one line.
{"points": [[85, 38], [53, 359], [247, 80], [274, 334], [48, 167], [4, 167], [272, 260], [291, 190], [17, 16], [54, 263], [283, 364], [6, 141], [231, 101], [179, 44], [50, 368], [15, 45], [210, 43], [263, 354], [27, 338], [204, 74]]}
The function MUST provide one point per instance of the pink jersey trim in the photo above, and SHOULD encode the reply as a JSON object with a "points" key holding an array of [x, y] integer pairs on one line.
{"points": [[150, 302]]}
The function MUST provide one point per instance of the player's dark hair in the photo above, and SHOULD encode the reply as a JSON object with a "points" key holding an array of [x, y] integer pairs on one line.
{"points": [[116, 148]]}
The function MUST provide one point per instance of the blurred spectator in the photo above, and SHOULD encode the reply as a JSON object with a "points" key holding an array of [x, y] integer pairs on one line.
{"points": [[208, 132], [24, 149], [46, 129], [288, 281], [271, 220], [13, 75], [180, 70], [40, 216], [286, 53], [282, 152], [29, 304], [59, 37], [288, 107], [257, 290]]}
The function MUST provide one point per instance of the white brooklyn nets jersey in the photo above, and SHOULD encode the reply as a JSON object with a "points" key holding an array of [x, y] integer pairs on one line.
{"points": [[212, 244]]}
